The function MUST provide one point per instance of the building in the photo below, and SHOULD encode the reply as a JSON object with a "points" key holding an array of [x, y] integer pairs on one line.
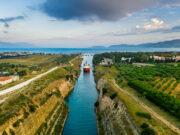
{"points": [[106, 61], [123, 59], [5, 80], [15, 78], [158, 58], [162, 58], [177, 58]]}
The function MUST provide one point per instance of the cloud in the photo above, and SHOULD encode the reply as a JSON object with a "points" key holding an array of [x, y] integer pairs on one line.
{"points": [[169, 3], [103, 10], [7, 20], [173, 29], [90, 10], [154, 26], [5, 32]]}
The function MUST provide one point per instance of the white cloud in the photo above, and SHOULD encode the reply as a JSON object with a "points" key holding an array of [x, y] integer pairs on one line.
{"points": [[154, 24], [129, 14], [156, 21], [137, 26]]}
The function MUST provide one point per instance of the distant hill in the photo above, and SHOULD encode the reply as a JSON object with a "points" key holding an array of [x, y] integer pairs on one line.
{"points": [[98, 47], [16, 45], [164, 44], [122, 45]]}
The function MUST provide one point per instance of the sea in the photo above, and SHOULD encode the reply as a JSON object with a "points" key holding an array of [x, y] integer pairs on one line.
{"points": [[87, 50]]}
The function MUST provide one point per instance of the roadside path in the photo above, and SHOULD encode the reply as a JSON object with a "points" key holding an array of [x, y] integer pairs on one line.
{"points": [[21, 85], [156, 115]]}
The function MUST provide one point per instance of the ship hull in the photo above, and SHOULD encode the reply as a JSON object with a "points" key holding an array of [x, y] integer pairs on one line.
{"points": [[86, 69]]}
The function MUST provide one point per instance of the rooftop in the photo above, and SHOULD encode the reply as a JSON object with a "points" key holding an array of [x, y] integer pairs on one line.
{"points": [[4, 79]]}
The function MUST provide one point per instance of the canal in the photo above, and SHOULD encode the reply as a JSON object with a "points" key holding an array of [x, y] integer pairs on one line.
{"points": [[82, 118]]}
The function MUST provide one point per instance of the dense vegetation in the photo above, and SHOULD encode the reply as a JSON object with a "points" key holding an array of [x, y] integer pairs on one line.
{"points": [[165, 101], [143, 79], [158, 82], [148, 73], [136, 57], [10, 69]]}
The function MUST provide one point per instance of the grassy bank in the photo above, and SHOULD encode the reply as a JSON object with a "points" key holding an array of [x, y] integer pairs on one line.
{"points": [[40, 107]]}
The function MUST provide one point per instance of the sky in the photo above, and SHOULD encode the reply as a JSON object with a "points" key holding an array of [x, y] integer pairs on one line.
{"points": [[85, 23]]}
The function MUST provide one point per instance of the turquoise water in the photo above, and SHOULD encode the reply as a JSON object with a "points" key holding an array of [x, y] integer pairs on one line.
{"points": [[82, 118]]}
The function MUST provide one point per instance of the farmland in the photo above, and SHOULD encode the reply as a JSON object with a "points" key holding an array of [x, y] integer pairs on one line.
{"points": [[29, 66], [155, 85], [164, 78]]}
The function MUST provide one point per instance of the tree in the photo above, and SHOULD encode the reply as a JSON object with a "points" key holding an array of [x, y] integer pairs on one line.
{"points": [[147, 131], [67, 77], [22, 73]]}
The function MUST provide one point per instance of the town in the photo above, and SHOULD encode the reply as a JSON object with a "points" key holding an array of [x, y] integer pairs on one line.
{"points": [[148, 57]]}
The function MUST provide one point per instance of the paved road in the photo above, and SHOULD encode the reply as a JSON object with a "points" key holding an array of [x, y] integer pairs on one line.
{"points": [[3, 92], [150, 110]]}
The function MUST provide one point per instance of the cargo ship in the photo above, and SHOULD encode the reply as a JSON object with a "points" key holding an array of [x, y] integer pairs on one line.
{"points": [[86, 67]]}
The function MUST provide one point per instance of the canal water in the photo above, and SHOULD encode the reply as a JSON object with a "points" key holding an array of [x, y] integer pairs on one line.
{"points": [[82, 118]]}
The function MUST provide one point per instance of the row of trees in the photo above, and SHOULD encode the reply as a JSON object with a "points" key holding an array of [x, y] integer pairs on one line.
{"points": [[147, 73], [7, 66], [164, 100]]}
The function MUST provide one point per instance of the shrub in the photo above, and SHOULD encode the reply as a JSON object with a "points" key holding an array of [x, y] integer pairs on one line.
{"points": [[145, 115], [114, 95], [104, 90], [11, 131], [159, 86], [32, 108], [16, 124], [96, 104], [144, 125], [26, 114], [67, 77], [5, 116], [115, 105], [57, 93], [147, 131], [4, 133], [22, 73]]}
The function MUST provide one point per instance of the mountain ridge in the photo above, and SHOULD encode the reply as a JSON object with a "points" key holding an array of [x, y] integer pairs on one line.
{"points": [[164, 44], [16, 45]]}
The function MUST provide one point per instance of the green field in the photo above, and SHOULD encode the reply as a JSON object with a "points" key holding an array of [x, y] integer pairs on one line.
{"points": [[30, 66]]}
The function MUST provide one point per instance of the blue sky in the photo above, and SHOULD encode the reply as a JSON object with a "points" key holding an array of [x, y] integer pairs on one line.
{"points": [[84, 23]]}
